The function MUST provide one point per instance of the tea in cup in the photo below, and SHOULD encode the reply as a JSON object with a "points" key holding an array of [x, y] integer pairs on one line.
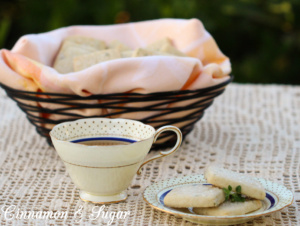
{"points": [[102, 155]]}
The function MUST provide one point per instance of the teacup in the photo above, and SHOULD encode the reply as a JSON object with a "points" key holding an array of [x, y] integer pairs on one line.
{"points": [[102, 155]]}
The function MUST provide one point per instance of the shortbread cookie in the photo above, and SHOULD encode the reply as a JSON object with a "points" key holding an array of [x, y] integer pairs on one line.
{"points": [[164, 46], [167, 48], [127, 53], [69, 49], [230, 208], [223, 178], [86, 41], [64, 66], [158, 53], [64, 60], [87, 60], [142, 52], [194, 196], [158, 45], [115, 44]]}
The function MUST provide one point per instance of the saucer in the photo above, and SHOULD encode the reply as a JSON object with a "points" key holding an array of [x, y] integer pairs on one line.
{"points": [[277, 198]]}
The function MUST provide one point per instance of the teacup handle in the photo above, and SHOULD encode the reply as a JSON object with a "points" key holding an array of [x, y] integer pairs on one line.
{"points": [[164, 153]]}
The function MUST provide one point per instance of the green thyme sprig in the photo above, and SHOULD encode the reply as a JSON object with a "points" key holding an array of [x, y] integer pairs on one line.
{"points": [[234, 197]]}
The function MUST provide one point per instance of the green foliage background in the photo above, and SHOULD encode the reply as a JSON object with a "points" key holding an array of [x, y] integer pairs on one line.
{"points": [[261, 37]]}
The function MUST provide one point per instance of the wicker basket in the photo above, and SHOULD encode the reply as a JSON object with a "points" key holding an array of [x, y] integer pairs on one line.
{"points": [[180, 108]]}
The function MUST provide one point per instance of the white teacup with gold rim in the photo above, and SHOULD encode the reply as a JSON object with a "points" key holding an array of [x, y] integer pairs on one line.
{"points": [[102, 155]]}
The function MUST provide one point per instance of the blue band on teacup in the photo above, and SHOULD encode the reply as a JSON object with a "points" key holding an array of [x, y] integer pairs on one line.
{"points": [[104, 138]]}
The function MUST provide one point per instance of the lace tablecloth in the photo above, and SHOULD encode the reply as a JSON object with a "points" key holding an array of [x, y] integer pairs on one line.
{"points": [[253, 129]]}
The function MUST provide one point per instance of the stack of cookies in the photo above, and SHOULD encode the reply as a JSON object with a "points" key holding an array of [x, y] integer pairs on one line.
{"points": [[229, 194], [78, 52]]}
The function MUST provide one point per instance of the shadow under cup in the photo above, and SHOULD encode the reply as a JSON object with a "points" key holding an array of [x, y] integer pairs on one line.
{"points": [[103, 155]]}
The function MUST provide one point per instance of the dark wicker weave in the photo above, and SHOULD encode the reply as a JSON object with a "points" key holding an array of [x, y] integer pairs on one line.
{"points": [[198, 101]]}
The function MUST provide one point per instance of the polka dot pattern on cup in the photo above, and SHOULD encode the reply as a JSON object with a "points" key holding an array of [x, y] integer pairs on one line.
{"points": [[102, 127]]}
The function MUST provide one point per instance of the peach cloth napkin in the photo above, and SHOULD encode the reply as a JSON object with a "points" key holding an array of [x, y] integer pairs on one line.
{"points": [[28, 66]]}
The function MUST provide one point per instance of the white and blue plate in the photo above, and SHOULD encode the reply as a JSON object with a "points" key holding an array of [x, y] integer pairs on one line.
{"points": [[277, 198]]}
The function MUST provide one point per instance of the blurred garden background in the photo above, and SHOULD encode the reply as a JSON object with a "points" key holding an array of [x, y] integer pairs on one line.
{"points": [[261, 37]]}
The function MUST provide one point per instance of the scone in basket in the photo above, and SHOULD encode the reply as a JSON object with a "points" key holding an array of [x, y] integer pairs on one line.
{"points": [[163, 112]]}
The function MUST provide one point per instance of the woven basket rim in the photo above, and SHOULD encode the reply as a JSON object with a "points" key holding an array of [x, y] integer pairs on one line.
{"points": [[128, 94]]}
